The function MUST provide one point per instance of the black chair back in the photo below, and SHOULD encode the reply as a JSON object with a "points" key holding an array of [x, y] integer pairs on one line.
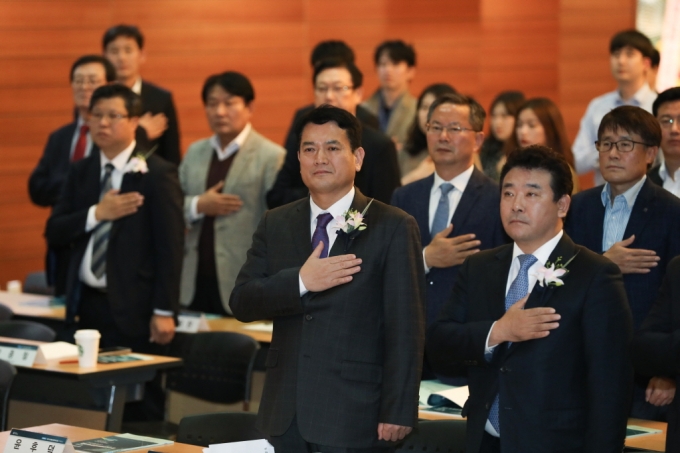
{"points": [[36, 283], [444, 436], [6, 313], [218, 428], [27, 330], [7, 373], [217, 366]]}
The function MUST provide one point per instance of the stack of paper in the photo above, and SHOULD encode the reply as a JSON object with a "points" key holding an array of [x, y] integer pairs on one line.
{"points": [[250, 446]]}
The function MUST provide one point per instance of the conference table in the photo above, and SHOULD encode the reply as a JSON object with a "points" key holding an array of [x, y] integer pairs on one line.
{"points": [[97, 395], [652, 442], [76, 434]]}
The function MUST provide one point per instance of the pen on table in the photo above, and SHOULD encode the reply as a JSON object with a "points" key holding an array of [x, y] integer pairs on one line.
{"points": [[66, 362]]}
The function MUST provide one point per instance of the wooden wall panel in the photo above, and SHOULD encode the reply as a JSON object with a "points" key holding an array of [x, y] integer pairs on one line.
{"points": [[554, 48]]}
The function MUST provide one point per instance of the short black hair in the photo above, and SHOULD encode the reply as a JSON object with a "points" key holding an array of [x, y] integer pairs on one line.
{"points": [[634, 39], [477, 114], [233, 82], [633, 120], [109, 70], [656, 58], [332, 63], [539, 157], [327, 113], [397, 51], [669, 95], [132, 101], [331, 49], [129, 31]]}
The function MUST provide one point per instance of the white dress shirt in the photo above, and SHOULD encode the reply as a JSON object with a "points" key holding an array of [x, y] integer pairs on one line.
{"points": [[542, 255], [76, 135], [337, 209], [670, 182], [459, 184], [137, 87], [118, 162], [223, 153]]}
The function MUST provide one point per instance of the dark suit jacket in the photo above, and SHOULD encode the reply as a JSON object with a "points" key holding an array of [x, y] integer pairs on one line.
{"points": [[655, 222], [567, 392], [47, 180], [348, 358], [478, 212], [144, 258], [158, 100], [653, 175], [656, 346], [378, 178]]}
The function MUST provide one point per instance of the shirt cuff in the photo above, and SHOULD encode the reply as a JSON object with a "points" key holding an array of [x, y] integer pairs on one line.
{"points": [[303, 289], [193, 210], [91, 222], [159, 312], [427, 268], [488, 350]]}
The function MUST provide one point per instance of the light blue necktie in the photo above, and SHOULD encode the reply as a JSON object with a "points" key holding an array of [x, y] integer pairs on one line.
{"points": [[441, 215], [518, 289]]}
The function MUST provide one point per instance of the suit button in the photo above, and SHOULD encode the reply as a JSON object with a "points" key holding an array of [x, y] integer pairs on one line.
{"points": [[487, 406], [503, 369], [431, 283], [309, 317]]}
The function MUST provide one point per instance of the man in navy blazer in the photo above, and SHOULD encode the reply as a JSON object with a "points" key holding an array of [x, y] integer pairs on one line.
{"points": [[67, 144], [472, 223], [548, 360], [630, 220]]}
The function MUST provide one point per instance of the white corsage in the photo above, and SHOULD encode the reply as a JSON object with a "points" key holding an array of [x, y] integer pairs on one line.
{"points": [[552, 274]]}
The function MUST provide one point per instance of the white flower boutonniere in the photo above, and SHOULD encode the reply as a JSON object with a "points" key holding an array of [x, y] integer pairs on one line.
{"points": [[138, 162], [137, 165], [552, 273], [351, 223]]}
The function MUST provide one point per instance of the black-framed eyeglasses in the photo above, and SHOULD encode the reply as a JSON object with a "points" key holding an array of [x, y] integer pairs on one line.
{"points": [[622, 146], [113, 117], [337, 90]]}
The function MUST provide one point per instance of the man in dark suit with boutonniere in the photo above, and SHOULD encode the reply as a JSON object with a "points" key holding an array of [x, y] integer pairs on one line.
{"points": [[346, 295], [548, 365], [121, 215]]}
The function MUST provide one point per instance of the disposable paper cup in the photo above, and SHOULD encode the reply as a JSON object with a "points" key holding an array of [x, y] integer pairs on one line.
{"points": [[14, 286], [88, 347]]}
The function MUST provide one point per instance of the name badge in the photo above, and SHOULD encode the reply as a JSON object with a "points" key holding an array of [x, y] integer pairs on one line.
{"points": [[192, 323], [21, 441], [18, 354]]}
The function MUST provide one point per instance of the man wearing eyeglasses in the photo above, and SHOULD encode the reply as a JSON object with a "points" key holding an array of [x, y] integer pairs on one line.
{"points": [[68, 144], [338, 82], [633, 222], [121, 215], [666, 109], [457, 206]]}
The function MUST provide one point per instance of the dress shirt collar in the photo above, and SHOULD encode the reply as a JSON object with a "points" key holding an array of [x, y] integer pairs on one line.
{"points": [[232, 146], [630, 195], [663, 173], [638, 98], [80, 121], [120, 160], [137, 87], [338, 208], [460, 182], [542, 253]]}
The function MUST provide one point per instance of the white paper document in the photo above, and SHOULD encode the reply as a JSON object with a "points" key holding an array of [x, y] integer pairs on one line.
{"points": [[260, 326], [249, 446]]}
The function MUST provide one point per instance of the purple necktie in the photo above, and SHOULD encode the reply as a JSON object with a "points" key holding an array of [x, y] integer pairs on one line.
{"points": [[320, 234]]}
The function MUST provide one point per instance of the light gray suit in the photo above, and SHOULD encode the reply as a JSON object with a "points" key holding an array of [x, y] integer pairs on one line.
{"points": [[251, 175], [402, 116]]}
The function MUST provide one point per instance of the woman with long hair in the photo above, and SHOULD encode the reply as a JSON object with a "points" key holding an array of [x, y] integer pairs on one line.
{"points": [[414, 160], [539, 122], [502, 122]]}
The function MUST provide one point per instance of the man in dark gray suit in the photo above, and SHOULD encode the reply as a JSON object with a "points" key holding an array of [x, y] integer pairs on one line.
{"points": [[345, 360]]}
